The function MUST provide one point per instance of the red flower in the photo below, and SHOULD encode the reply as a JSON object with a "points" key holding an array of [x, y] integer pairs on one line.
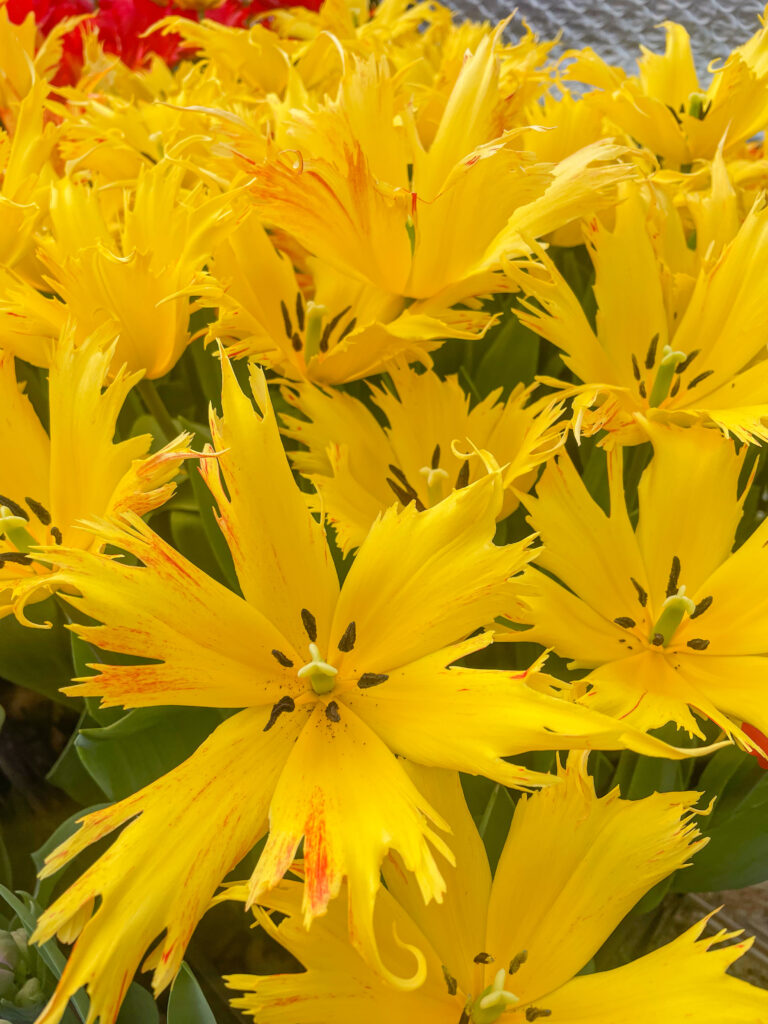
{"points": [[761, 740], [121, 23]]}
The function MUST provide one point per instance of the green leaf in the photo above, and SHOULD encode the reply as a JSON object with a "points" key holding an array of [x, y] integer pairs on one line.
{"points": [[37, 659], [737, 853], [143, 745], [511, 357], [491, 807], [69, 773], [138, 1008], [639, 776], [187, 1004]]}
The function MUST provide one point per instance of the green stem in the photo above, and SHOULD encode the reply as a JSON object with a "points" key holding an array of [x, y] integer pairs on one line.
{"points": [[156, 407], [486, 818]]}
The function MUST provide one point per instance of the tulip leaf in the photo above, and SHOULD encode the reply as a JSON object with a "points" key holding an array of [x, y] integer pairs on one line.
{"points": [[37, 659], [138, 1008], [737, 852], [143, 745], [187, 1004]]}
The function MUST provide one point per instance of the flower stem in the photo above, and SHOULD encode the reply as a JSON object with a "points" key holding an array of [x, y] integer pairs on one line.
{"points": [[156, 407]]}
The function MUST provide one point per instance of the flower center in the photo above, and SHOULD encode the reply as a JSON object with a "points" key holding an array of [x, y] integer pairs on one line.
{"points": [[674, 609], [321, 675], [670, 360], [435, 478], [14, 528], [492, 1001]]}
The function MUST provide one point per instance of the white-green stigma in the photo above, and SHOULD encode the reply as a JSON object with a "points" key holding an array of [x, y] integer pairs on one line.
{"points": [[670, 360], [15, 529], [321, 675], [674, 609], [314, 329], [435, 477], [493, 1001]]}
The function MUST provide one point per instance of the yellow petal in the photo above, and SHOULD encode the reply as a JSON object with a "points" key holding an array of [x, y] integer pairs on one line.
{"points": [[280, 552], [211, 648], [470, 719], [422, 579], [454, 928], [326, 796], [683, 980], [595, 555], [184, 832], [572, 867], [691, 480], [337, 984], [25, 463]]}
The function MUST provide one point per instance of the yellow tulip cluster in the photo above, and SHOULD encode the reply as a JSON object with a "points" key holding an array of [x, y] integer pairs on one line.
{"points": [[484, 334]]}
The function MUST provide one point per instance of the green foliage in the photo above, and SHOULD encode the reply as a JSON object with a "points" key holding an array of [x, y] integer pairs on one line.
{"points": [[187, 1004], [737, 852]]}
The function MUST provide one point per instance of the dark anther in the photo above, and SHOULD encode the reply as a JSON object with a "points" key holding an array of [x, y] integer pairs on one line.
{"points": [[56, 534], [699, 379], [697, 644], [15, 556], [674, 577], [701, 607], [675, 387], [405, 497], [40, 511], [296, 342], [347, 330], [283, 659], [642, 596], [310, 625], [286, 319], [368, 679], [635, 368], [284, 704], [484, 958], [463, 478], [650, 358], [300, 311], [450, 981], [534, 1012], [13, 508], [464, 1018], [517, 961], [334, 320], [641, 389], [436, 457], [325, 338], [332, 712], [677, 117], [657, 639], [347, 641], [400, 475], [625, 622], [682, 367]]}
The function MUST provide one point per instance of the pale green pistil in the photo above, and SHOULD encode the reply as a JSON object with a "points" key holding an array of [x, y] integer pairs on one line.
{"points": [[315, 314], [493, 1001], [435, 478], [670, 359], [321, 675], [674, 609], [15, 529]]}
